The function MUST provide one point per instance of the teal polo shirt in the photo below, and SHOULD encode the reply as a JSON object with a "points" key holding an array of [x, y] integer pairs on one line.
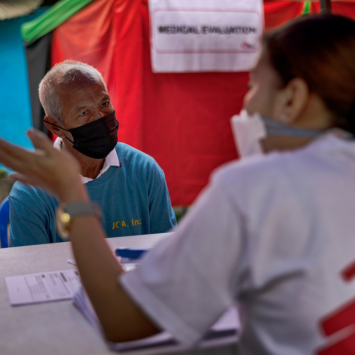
{"points": [[134, 200]]}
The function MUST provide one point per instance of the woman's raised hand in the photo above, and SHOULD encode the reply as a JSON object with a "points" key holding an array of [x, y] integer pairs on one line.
{"points": [[47, 167]]}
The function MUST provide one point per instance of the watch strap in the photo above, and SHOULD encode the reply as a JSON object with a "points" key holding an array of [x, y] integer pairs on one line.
{"points": [[81, 207]]}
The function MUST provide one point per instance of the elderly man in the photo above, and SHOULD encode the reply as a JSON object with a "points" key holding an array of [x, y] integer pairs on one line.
{"points": [[127, 184]]}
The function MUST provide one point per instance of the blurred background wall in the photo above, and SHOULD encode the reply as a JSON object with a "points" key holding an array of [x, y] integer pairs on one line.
{"points": [[181, 119]]}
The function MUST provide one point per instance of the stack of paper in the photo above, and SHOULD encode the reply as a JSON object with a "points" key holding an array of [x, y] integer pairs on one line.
{"points": [[43, 287], [224, 332]]}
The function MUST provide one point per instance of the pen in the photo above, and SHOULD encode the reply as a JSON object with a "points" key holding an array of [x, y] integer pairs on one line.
{"points": [[129, 253]]}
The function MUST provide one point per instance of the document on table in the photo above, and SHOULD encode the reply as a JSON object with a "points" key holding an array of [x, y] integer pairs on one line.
{"points": [[43, 287], [224, 332]]}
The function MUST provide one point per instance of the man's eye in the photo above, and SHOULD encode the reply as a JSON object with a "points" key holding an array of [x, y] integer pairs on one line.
{"points": [[105, 104], [83, 113]]}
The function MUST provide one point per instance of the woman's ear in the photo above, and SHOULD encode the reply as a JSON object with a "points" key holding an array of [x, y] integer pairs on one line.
{"points": [[49, 121], [296, 97]]}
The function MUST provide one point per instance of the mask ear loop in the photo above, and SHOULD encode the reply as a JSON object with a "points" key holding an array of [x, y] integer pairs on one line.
{"points": [[60, 128]]}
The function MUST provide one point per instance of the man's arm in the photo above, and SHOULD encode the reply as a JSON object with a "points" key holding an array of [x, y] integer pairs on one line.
{"points": [[58, 172], [162, 216], [28, 224]]}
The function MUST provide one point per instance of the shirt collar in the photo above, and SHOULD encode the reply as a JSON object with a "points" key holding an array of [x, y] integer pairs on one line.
{"points": [[110, 160]]}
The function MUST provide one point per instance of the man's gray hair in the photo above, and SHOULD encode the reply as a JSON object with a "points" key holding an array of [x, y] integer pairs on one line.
{"points": [[69, 71]]}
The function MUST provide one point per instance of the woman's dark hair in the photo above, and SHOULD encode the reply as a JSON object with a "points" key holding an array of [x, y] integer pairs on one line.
{"points": [[320, 49]]}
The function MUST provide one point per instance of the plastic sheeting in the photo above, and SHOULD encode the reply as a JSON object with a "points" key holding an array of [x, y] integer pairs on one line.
{"points": [[15, 116], [38, 63], [52, 18]]}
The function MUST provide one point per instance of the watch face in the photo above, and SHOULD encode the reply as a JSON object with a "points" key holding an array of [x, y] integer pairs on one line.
{"points": [[65, 213], [63, 222]]}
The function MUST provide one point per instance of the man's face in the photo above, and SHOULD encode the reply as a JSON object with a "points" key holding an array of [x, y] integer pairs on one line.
{"points": [[83, 103]]}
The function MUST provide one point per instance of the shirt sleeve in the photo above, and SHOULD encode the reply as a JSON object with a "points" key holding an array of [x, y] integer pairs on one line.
{"points": [[28, 225], [161, 214], [190, 279]]}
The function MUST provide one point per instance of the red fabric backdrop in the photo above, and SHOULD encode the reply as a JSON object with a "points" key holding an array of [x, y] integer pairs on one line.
{"points": [[344, 8], [182, 120]]}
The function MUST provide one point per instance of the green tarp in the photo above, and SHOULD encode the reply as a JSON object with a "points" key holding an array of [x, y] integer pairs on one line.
{"points": [[51, 19], [306, 8]]}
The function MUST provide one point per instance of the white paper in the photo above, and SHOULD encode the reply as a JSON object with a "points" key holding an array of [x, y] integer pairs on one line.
{"points": [[224, 332], [205, 35], [43, 287]]}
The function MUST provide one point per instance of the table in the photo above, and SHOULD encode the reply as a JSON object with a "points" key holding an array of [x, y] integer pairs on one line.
{"points": [[57, 327]]}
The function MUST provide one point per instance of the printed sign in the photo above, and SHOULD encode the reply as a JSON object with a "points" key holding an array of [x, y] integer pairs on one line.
{"points": [[202, 35]]}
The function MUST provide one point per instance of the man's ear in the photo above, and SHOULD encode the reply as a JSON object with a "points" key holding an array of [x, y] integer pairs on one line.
{"points": [[53, 129], [295, 100]]}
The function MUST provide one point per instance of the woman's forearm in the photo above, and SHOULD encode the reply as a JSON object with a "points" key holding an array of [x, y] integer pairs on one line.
{"points": [[99, 269]]}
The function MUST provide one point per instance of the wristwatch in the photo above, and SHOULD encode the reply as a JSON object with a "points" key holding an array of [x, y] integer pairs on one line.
{"points": [[66, 212]]}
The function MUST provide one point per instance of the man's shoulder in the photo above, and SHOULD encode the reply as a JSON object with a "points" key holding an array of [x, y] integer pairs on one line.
{"points": [[27, 193], [133, 157]]}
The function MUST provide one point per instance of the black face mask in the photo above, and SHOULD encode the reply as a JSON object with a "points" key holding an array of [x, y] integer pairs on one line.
{"points": [[95, 139]]}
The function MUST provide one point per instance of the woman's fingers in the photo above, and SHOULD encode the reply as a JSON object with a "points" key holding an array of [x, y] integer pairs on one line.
{"points": [[40, 141], [48, 168], [14, 157], [9, 149], [20, 177], [21, 160]]}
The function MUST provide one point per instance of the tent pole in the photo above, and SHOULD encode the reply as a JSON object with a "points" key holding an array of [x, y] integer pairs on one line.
{"points": [[325, 6]]}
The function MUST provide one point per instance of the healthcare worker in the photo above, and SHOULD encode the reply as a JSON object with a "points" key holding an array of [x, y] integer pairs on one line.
{"points": [[274, 232]]}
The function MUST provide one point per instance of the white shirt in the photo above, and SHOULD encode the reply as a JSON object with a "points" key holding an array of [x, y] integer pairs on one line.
{"points": [[110, 160], [273, 233]]}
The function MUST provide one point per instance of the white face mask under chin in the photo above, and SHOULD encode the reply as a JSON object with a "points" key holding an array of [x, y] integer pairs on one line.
{"points": [[247, 132]]}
